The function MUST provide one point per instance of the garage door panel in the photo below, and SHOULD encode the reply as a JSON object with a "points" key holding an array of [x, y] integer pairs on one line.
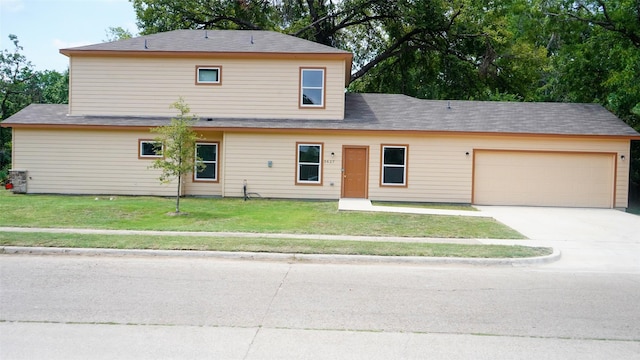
{"points": [[543, 178]]}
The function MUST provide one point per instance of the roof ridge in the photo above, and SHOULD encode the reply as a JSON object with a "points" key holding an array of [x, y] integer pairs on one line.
{"points": [[212, 41]]}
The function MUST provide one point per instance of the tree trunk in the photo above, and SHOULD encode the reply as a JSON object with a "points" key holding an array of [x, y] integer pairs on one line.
{"points": [[178, 195]]}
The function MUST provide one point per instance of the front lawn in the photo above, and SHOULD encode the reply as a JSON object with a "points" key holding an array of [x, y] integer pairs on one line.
{"points": [[234, 215]]}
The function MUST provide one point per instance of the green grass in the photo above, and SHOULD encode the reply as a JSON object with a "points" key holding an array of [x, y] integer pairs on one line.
{"points": [[289, 246], [234, 215]]}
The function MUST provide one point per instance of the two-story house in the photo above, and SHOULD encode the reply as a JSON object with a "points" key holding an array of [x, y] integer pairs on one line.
{"points": [[274, 116]]}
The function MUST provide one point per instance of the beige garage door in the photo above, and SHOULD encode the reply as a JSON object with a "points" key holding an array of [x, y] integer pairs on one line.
{"points": [[543, 178]]}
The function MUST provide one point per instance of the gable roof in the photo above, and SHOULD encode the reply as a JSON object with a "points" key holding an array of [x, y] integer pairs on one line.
{"points": [[211, 41], [257, 44], [386, 112]]}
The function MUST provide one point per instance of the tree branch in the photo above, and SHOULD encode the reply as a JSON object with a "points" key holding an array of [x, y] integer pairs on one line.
{"points": [[395, 50], [214, 22], [608, 24], [315, 22], [391, 51], [366, 19]]}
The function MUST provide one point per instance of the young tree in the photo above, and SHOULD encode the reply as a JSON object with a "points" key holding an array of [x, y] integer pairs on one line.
{"points": [[178, 146]]}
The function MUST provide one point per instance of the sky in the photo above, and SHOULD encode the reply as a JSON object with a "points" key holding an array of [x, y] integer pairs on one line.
{"points": [[44, 27]]}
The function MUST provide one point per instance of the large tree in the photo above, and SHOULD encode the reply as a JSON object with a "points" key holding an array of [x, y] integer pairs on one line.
{"points": [[497, 53], [15, 72], [596, 58]]}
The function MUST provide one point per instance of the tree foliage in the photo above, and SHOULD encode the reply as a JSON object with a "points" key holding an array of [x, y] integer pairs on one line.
{"points": [[16, 74], [596, 58], [117, 33], [178, 141]]}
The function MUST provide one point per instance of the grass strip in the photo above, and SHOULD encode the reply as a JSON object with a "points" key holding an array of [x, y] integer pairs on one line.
{"points": [[289, 246]]}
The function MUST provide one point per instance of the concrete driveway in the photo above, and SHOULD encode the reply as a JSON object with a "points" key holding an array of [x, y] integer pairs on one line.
{"points": [[599, 240]]}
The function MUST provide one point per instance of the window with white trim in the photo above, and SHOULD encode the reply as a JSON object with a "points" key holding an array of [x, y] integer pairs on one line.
{"points": [[312, 87], [149, 149], [309, 159], [208, 75], [206, 154], [394, 165]]}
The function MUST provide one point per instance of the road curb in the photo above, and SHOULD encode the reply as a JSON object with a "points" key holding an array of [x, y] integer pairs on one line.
{"points": [[308, 258]]}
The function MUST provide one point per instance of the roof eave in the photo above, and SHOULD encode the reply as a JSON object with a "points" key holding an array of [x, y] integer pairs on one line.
{"points": [[219, 54], [345, 131]]}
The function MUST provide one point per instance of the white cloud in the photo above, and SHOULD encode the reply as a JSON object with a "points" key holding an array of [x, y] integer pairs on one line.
{"points": [[11, 6], [60, 44]]}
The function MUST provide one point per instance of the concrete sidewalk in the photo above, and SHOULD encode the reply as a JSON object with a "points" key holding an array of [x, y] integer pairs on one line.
{"points": [[365, 205]]}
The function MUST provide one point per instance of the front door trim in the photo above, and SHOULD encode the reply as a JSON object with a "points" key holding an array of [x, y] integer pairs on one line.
{"points": [[345, 149]]}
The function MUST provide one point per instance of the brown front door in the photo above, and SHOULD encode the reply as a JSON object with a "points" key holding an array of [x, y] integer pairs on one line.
{"points": [[355, 164]]}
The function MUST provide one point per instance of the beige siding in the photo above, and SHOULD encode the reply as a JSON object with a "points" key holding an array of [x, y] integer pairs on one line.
{"points": [[246, 157], [438, 168], [86, 162], [249, 88]]}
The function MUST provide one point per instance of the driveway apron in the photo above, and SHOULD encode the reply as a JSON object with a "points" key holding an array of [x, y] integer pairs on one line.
{"points": [[590, 239]]}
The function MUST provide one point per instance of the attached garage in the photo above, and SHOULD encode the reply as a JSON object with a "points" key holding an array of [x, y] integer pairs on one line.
{"points": [[544, 178]]}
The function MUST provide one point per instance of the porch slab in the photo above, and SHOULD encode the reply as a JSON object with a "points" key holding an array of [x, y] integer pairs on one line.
{"points": [[350, 204]]}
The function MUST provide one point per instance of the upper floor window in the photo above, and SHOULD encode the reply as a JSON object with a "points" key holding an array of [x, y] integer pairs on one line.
{"points": [[149, 149], [207, 154], [208, 75], [394, 165], [312, 88], [309, 159]]}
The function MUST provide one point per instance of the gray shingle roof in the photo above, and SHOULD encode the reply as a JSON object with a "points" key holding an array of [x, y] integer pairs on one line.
{"points": [[390, 112], [215, 41]]}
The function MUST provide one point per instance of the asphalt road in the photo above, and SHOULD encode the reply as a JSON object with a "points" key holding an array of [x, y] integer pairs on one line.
{"points": [[79, 307]]}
